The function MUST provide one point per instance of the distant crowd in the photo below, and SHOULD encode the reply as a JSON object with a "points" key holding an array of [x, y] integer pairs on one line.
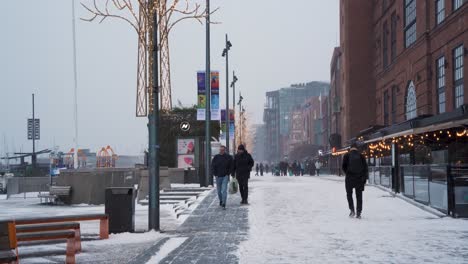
{"points": [[285, 168]]}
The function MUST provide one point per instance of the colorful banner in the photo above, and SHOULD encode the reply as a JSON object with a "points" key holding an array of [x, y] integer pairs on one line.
{"points": [[223, 124], [201, 97]]}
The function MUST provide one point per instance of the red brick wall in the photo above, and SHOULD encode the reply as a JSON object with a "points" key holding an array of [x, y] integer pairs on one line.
{"points": [[418, 62]]}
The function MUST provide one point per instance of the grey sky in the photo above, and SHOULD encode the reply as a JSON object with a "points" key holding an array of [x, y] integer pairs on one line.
{"points": [[275, 43]]}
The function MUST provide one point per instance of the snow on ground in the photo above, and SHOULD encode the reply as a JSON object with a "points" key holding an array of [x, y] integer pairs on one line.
{"points": [[167, 248], [305, 220], [119, 248]]}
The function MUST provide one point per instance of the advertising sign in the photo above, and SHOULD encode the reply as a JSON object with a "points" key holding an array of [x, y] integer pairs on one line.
{"points": [[185, 146], [185, 152]]}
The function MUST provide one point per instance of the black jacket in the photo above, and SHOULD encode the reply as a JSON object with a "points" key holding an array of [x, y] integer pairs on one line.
{"points": [[221, 165], [360, 178], [243, 164]]}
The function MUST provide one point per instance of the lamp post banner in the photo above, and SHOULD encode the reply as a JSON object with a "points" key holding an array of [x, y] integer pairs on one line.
{"points": [[201, 98]]}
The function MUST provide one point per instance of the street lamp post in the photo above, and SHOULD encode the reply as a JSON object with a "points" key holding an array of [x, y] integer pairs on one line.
{"points": [[153, 130], [208, 100], [226, 54], [240, 117], [233, 85]]}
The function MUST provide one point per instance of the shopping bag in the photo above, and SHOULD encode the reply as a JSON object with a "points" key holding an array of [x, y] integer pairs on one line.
{"points": [[233, 186]]}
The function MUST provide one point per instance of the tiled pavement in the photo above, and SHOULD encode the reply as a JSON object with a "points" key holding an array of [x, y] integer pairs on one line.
{"points": [[213, 234]]}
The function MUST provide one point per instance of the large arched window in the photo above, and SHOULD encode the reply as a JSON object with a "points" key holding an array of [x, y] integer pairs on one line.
{"points": [[411, 101]]}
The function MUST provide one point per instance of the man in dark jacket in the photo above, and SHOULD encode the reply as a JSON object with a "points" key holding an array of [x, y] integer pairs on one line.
{"points": [[243, 164], [221, 167], [356, 170]]}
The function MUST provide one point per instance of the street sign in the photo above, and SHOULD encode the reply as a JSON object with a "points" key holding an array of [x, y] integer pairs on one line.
{"points": [[185, 126], [36, 129]]}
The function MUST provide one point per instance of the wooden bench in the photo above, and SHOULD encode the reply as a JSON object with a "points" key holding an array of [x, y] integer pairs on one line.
{"points": [[8, 244], [56, 193], [103, 221], [37, 228], [69, 235]]}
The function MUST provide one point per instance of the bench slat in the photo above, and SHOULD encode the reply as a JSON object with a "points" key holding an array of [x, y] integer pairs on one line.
{"points": [[49, 235], [47, 227], [62, 218], [7, 256]]}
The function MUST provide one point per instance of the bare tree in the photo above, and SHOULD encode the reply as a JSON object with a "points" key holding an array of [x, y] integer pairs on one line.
{"points": [[139, 15]]}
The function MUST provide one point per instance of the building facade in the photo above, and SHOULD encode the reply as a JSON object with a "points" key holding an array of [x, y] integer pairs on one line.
{"points": [[419, 57], [357, 101], [278, 111]]}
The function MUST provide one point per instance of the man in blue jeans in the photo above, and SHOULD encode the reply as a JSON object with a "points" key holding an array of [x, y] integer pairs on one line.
{"points": [[221, 167]]}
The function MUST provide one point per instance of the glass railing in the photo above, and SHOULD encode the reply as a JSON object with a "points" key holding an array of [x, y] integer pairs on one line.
{"points": [[426, 184], [458, 197]]}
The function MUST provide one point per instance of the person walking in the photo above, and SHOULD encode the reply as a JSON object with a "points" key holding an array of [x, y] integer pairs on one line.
{"points": [[256, 169], [243, 164], [261, 169], [221, 167], [318, 165], [356, 171]]}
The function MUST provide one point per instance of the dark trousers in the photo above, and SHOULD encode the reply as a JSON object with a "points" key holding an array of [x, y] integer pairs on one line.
{"points": [[244, 188], [349, 193]]}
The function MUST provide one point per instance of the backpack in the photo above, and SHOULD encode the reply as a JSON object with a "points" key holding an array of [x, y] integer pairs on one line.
{"points": [[355, 165]]}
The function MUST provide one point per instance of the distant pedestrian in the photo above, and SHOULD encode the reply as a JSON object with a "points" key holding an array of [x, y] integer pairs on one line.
{"points": [[318, 166], [257, 168], [261, 169], [221, 167], [356, 170], [267, 168], [243, 164]]}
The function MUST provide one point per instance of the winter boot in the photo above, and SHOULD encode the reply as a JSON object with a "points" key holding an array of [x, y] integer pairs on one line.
{"points": [[358, 216], [352, 214]]}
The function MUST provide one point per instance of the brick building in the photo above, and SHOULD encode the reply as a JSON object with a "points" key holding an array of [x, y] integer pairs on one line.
{"points": [[356, 67], [419, 53], [402, 59]]}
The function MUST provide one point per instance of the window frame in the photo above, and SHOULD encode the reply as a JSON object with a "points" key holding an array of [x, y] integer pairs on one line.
{"points": [[458, 70], [386, 112], [457, 4], [411, 110], [441, 76], [393, 36], [385, 44], [439, 12], [394, 103], [411, 24]]}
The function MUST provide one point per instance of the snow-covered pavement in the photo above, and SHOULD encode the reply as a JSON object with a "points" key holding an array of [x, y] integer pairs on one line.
{"points": [[305, 220]]}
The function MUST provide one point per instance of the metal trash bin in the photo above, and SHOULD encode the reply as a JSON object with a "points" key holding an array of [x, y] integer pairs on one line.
{"points": [[120, 207]]}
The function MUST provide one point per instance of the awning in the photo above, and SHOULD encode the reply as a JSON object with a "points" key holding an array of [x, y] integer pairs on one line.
{"points": [[441, 126]]}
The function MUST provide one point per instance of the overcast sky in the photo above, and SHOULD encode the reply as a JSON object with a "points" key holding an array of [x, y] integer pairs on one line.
{"points": [[275, 43]]}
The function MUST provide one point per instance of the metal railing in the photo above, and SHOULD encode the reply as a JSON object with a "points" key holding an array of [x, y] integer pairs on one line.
{"points": [[458, 191], [381, 176], [426, 184], [442, 187]]}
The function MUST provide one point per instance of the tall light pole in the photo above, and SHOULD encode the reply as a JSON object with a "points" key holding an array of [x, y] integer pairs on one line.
{"points": [[226, 54], [75, 78], [233, 85], [153, 131], [208, 100], [240, 117]]}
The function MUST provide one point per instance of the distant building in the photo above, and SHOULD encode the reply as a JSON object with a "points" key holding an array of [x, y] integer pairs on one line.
{"points": [[278, 117], [259, 140]]}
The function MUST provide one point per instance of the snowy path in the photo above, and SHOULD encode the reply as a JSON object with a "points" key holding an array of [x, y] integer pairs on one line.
{"points": [[304, 220]]}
